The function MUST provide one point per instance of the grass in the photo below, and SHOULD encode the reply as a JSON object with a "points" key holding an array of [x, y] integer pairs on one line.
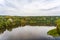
{"points": [[53, 33]]}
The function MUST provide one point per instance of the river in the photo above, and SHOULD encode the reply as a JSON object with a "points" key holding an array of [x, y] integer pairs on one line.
{"points": [[28, 32]]}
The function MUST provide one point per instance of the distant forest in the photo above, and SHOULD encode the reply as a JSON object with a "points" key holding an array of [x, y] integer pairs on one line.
{"points": [[39, 20], [31, 20]]}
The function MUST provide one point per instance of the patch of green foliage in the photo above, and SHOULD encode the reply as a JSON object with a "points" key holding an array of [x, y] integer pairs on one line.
{"points": [[53, 32]]}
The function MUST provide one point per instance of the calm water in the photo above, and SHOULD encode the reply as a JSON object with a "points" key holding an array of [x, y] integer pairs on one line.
{"points": [[28, 32]]}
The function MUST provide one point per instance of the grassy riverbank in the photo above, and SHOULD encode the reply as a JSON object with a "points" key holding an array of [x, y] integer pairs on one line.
{"points": [[53, 33]]}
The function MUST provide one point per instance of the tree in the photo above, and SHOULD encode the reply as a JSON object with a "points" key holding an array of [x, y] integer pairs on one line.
{"points": [[58, 25], [23, 22]]}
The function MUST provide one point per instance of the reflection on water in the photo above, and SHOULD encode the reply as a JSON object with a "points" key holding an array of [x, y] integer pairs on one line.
{"points": [[27, 32]]}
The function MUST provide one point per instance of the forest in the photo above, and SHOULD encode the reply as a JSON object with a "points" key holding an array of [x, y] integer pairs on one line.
{"points": [[10, 22], [28, 20]]}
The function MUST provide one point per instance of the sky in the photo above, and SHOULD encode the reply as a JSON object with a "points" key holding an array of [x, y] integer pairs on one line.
{"points": [[30, 7]]}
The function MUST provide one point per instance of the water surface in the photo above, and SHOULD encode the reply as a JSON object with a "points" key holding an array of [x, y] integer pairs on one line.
{"points": [[28, 32]]}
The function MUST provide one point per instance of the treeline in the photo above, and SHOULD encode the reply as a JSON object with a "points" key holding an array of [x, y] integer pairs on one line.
{"points": [[28, 20], [39, 20], [9, 22]]}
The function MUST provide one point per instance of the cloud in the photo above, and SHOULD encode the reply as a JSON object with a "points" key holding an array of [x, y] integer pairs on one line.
{"points": [[30, 7]]}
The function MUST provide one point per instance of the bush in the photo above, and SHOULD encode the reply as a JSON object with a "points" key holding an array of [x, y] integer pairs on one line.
{"points": [[53, 33]]}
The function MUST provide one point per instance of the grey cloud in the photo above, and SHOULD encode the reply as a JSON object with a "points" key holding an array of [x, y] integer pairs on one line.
{"points": [[27, 7]]}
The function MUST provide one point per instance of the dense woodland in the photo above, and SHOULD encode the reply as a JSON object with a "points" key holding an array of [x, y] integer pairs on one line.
{"points": [[39, 20], [9, 22]]}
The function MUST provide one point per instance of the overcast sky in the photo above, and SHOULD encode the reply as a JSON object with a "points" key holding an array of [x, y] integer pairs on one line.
{"points": [[30, 7]]}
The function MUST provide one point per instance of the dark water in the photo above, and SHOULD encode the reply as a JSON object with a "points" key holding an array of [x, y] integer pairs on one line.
{"points": [[28, 32]]}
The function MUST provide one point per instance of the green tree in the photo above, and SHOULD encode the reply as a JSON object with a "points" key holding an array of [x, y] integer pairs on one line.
{"points": [[58, 25]]}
